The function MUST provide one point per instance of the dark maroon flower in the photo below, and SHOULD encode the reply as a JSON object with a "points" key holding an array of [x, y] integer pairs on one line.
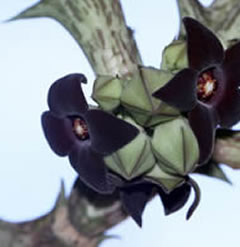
{"points": [[84, 134], [136, 193], [209, 89]]}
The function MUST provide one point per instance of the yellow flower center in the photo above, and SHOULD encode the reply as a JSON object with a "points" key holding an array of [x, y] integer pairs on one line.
{"points": [[206, 86], [80, 128]]}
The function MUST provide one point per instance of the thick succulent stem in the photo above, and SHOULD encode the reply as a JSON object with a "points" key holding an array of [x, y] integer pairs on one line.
{"points": [[222, 17], [99, 28], [227, 151]]}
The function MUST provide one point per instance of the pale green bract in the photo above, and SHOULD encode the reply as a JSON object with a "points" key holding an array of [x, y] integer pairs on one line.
{"points": [[175, 147]]}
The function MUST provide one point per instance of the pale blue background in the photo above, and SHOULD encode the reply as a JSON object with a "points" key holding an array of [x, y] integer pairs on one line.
{"points": [[34, 53]]}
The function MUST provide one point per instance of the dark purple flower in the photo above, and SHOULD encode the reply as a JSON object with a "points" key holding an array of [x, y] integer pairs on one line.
{"points": [[209, 89], [84, 134], [136, 193]]}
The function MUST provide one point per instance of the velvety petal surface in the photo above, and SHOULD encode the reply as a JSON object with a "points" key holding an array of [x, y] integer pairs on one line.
{"points": [[96, 199], [66, 97], [107, 132], [176, 199], [58, 132], [135, 198], [229, 106], [90, 167], [204, 48], [180, 91], [203, 122]]}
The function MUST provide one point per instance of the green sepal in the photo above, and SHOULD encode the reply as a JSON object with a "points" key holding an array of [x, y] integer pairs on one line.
{"points": [[167, 181], [175, 146], [138, 100], [174, 57], [134, 159], [107, 91], [213, 169]]}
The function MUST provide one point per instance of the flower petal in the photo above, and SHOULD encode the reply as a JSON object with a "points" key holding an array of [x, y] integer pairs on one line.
{"points": [[107, 132], [175, 199], [203, 122], [228, 107], [90, 167], [66, 97], [58, 132], [180, 91], [135, 198], [95, 198], [231, 65], [204, 48]]}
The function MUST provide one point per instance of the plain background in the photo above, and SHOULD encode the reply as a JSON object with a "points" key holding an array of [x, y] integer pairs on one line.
{"points": [[33, 54]]}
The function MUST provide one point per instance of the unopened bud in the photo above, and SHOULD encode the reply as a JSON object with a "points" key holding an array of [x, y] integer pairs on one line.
{"points": [[174, 56], [107, 91], [138, 100], [175, 146], [134, 159], [167, 181]]}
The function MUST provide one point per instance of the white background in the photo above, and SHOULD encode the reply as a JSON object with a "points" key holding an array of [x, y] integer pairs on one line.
{"points": [[33, 54]]}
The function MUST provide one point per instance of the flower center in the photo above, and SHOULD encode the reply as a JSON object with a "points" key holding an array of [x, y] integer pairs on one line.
{"points": [[206, 86], [80, 128]]}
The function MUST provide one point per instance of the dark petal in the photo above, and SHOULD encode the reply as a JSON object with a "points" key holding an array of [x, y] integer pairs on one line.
{"points": [[66, 97], [213, 169], [58, 132], [90, 167], [231, 66], [204, 48], [115, 179], [135, 198], [96, 199], [226, 133], [180, 91], [229, 105], [203, 122], [228, 108], [197, 197], [175, 199], [107, 132]]}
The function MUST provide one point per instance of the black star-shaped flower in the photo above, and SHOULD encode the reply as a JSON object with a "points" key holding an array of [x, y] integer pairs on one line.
{"points": [[136, 193], [209, 89], [84, 134]]}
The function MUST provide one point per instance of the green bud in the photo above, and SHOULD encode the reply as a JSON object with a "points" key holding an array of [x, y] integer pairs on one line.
{"points": [[174, 56], [167, 181], [175, 146], [134, 159], [107, 91], [138, 100]]}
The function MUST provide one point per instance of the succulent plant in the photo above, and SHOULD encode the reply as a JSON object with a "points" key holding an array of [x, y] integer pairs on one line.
{"points": [[138, 101], [134, 159], [174, 57], [175, 146], [107, 91]]}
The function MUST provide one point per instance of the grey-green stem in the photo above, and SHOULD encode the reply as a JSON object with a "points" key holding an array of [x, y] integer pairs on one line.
{"points": [[99, 28]]}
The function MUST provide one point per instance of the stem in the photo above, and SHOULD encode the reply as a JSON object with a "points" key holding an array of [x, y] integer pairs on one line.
{"points": [[100, 30]]}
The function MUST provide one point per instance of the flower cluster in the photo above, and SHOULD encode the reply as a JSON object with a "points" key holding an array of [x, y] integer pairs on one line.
{"points": [[207, 91], [150, 131]]}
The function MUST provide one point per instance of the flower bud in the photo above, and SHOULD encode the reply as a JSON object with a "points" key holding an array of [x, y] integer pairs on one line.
{"points": [[138, 100], [134, 159], [167, 181], [107, 91], [175, 147], [174, 56]]}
